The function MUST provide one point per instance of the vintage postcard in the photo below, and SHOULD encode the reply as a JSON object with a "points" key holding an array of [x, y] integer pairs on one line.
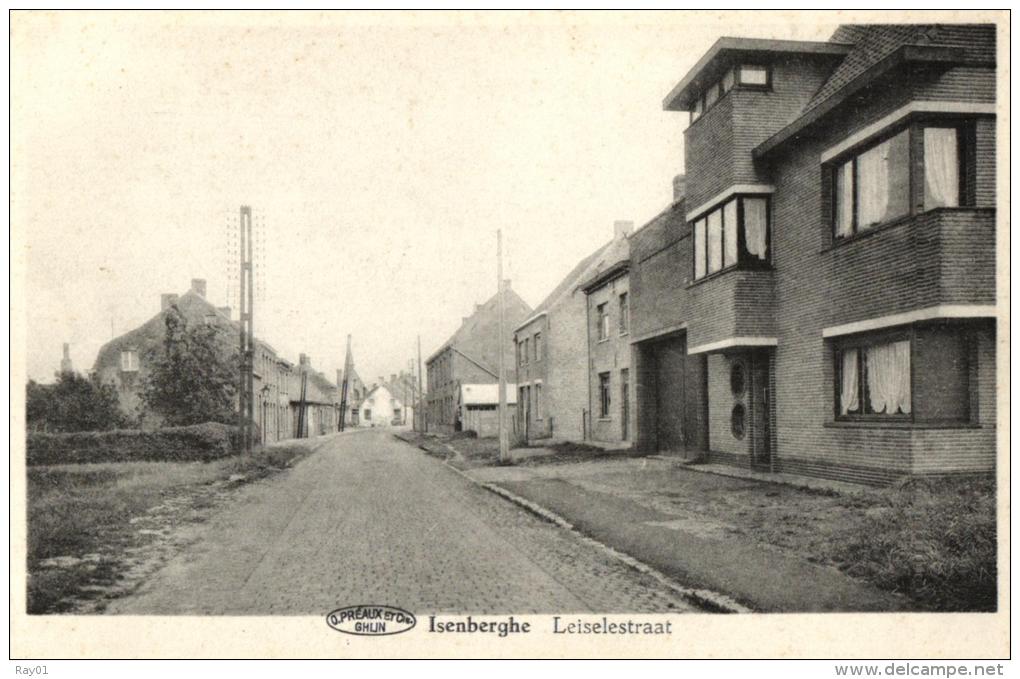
{"points": [[510, 334]]}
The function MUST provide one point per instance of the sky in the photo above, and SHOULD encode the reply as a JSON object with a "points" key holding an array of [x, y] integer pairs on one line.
{"points": [[380, 151]]}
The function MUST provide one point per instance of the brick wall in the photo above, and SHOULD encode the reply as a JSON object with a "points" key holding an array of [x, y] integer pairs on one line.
{"points": [[611, 355]]}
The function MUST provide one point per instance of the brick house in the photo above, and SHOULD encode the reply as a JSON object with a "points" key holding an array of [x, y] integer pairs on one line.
{"points": [[820, 296], [471, 356], [125, 361], [607, 312], [552, 375]]}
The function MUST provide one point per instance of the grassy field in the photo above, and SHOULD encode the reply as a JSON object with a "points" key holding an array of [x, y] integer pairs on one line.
{"points": [[82, 517]]}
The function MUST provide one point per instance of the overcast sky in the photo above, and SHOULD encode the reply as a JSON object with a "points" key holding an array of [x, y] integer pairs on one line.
{"points": [[382, 158]]}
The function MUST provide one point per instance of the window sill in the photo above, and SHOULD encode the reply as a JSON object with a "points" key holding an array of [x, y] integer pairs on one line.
{"points": [[899, 424], [604, 419], [602, 341], [764, 268]]}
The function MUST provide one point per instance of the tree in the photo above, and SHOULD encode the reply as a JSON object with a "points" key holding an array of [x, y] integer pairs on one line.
{"points": [[73, 403], [194, 380]]}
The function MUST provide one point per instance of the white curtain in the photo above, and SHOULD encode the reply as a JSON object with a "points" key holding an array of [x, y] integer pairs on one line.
{"points": [[699, 248], [844, 199], [756, 227], [848, 400], [941, 168], [873, 185], [715, 241], [889, 377], [730, 233]]}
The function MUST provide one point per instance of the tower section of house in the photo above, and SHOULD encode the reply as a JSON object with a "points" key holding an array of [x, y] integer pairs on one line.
{"points": [[607, 307], [471, 356], [822, 299], [551, 371]]}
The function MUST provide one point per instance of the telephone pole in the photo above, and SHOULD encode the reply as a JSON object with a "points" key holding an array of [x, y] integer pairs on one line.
{"points": [[423, 427], [504, 438], [246, 394]]}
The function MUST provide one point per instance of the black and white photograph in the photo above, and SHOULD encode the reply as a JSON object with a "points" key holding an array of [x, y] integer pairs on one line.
{"points": [[667, 334]]}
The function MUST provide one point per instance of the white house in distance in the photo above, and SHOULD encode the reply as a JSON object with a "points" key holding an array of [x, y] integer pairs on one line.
{"points": [[380, 408], [477, 404]]}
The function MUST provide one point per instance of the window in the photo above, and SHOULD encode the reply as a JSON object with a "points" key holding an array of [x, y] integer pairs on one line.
{"points": [[603, 314], [517, 346], [624, 313], [873, 186], [538, 346], [538, 401], [747, 75], [527, 349], [129, 360], [604, 395], [735, 233], [368, 413], [756, 76], [941, 167], [874, 379]]}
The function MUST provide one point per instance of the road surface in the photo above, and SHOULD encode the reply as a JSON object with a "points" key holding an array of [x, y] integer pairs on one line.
{"points": [[368, 519]]}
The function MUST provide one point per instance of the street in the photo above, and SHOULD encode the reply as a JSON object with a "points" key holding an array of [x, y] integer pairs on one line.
{"points": [[368, 519]]}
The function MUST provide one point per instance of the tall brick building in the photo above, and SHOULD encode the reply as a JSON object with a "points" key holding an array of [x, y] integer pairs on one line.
{"points": [[471, 356], [551, 372], [820, 297]]}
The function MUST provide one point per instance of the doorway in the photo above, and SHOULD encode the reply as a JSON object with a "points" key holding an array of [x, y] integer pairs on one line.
{"points": [[761, 410]]}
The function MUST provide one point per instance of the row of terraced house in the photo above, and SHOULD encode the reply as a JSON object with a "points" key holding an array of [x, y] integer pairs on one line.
{"points": [[819, 298]]}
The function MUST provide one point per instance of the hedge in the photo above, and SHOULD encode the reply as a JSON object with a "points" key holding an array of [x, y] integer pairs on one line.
{"points": [[207, 441]]}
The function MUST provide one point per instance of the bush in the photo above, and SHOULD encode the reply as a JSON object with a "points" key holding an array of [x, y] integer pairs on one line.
{"points": [[203, 442]]}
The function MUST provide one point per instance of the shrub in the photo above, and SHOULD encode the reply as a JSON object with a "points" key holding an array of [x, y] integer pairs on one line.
{"points": [[203, 442]]}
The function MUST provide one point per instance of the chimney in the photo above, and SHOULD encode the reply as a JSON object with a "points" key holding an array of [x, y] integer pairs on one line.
{"points": [[506, 283], [622, 228], [225, 310], [304, 359], [679, 188], [166, 300], [198, 286]]}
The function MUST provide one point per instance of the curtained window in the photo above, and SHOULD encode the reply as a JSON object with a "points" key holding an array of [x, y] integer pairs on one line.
{"points": [[874, 379], [734, 234], [714, 241], [873, 187], [699, 248], [941, 167]]}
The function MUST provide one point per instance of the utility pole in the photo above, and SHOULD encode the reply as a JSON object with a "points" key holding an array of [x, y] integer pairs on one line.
{"points": [[421, 394], [246, 394], [504, 438]]}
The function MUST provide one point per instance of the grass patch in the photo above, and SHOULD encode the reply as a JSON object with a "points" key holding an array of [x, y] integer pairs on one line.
{"points": [[934, 541], [79, 515]]}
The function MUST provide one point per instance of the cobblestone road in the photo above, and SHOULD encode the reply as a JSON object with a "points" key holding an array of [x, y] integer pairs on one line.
{"points": [[368, 519]]}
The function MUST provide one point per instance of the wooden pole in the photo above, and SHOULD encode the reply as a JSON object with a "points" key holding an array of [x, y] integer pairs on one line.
{"points": [[421, 394], [504, 437]]}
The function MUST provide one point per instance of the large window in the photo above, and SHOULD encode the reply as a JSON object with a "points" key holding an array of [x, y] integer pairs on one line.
{"points": [[873, 186], [604, 395], [920, 374], [874, 379], [735, 233]]}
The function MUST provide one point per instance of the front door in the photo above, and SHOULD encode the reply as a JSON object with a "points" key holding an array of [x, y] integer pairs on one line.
{"points": [[761, 410], [625, 404]]}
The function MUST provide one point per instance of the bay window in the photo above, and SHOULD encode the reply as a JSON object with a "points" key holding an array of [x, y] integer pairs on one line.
{"points": [[874, 186], [733, 234], [920, 374]]}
